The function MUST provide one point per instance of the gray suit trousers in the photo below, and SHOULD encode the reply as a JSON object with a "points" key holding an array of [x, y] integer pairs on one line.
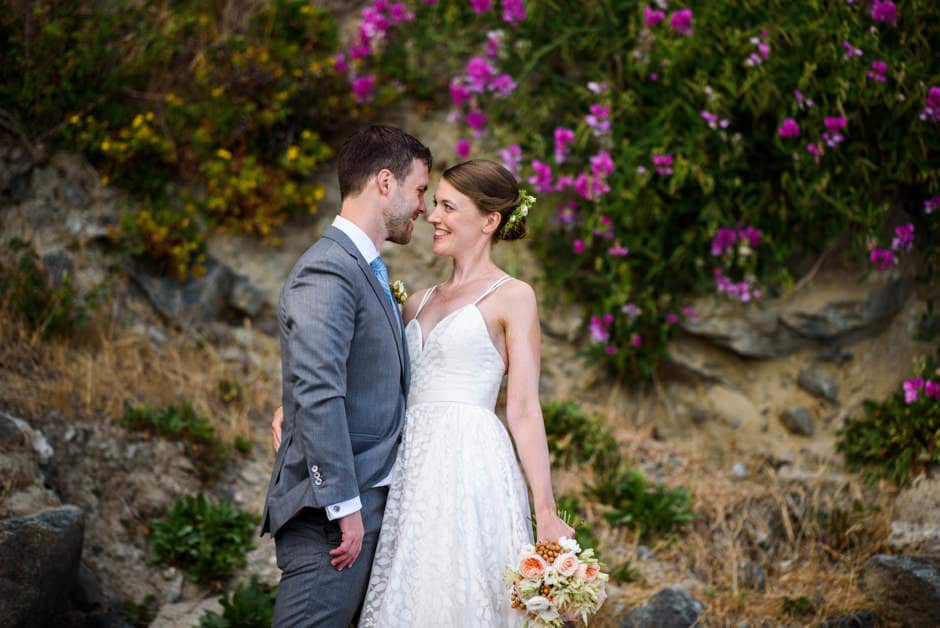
{"points": [[312, 592]]}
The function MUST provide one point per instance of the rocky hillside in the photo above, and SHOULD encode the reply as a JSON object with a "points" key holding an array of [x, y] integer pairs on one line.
{"points": [[746, 417]]}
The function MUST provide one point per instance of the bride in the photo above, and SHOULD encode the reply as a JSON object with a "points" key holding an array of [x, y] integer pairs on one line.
{"points": [[457, 511]]}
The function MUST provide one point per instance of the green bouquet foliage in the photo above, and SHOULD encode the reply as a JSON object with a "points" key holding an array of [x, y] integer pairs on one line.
{"points": [[208, 540]]}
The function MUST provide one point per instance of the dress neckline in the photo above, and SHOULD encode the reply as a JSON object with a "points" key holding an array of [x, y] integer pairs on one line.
{"points": [[423, 341]]}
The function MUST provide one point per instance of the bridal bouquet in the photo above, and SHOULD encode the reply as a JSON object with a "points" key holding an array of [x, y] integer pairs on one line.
{"points": [[555, 582]]}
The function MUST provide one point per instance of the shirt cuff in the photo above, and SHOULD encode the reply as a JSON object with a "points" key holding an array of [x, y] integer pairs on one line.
{"points": [[340, 510]]}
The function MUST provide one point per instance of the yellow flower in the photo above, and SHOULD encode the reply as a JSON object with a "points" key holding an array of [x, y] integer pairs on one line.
{"points": [[305, 134], [74, 119], [306, 9], [292, 153], [218, 91], [318, 193], [138, 120], [105, 145], [150, 116], [105, 180], [223, 154]]}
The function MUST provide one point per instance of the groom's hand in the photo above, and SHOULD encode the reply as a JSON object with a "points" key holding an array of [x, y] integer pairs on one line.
{"points": [[276, 421], [347, 552]]}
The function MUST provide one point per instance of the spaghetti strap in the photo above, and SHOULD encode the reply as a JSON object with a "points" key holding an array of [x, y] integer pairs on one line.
{"points": [[424, 299], [492, 288]]}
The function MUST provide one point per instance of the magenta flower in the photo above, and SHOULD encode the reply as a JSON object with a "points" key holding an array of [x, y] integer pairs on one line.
{"points": [[503, 85], [618, 251], [476, 120], [904, 237], [881, 258], [363, 87], [608, 319], [789, 128], [610, 350], [459, 92], [479, 73], [513, 11], [563, 183], [932, 389], [582, 185], [653, 77], [663, 164], [751, 234], [723, 241], [652, 16], [850, 50], [636, 340], [835, 124], [542, 179], [463, 148], [563, 137], [631, 310], [607, 232], [816, 150], [578, 247], [690, 313], [931, 205], [912, 388], [878, 70], [602, 164], [511, 156], [598, 119], [597, 88], [340, 66], [398, 13], [671, 318], [931, 112], [833, 136], [598, 329], [494, 43], [481, 6], [567, 214], [884, 11], [681, 22]]}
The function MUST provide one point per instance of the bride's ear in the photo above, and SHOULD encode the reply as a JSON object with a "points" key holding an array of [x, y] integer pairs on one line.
{"points": [[493, 220]]}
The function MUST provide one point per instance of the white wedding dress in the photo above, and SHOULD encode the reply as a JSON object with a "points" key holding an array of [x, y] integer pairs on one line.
{"points": [[457, 511]]}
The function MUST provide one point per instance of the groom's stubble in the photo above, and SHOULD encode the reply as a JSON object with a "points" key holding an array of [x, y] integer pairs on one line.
{"points": [[397, 220]]}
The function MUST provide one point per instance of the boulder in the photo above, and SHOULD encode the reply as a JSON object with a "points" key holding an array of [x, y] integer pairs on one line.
{"points": [[916, 528], [906, 588], [798, 420], [819, 384], [195, 300], [39, 563], [861, 619], [245, 297], [670, 608]]}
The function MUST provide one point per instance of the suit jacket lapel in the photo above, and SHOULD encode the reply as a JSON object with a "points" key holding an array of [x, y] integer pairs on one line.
{"points": [[343, 240]]}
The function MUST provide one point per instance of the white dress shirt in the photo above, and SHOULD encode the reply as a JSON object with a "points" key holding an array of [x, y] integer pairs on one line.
{"points": [[367, 248]]}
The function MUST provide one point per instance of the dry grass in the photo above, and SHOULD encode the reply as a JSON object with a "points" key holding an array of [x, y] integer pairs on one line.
{"points": [[811, 533], [110, 366]]}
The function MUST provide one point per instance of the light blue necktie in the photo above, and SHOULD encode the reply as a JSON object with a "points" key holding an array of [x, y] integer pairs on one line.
{"points": [[380, 270]]}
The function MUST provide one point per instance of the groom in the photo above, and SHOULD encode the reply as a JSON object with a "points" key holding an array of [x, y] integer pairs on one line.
{"points": [[344, 365]]}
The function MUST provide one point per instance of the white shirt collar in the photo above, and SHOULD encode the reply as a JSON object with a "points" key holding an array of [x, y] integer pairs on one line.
{"points": [[358, 236]]}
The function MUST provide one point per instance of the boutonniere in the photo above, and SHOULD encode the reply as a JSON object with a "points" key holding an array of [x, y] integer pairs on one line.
{"points": [[399, 292]]}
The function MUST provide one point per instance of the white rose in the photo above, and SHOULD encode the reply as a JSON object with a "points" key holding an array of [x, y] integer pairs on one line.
{"points": [[537, 604], [569, 545]]}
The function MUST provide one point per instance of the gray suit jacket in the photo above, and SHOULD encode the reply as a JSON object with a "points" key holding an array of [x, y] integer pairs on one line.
{"points": [[345, 371]]}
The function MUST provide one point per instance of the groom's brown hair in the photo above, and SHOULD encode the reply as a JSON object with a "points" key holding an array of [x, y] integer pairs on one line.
{"points": [[373, 148]]}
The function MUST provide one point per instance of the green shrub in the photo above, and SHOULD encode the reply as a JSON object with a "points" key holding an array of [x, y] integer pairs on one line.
{"points": [[182, 423], [242, 445], [624, 573], [250, 605], [140, 614], [895, 440], [638, 505], [575, 437], [206, 540], [796, 607], [662, 90], [54, 310]]}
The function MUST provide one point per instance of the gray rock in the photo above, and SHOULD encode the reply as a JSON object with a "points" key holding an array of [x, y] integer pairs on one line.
{"points": [[670, 608], [906, 588], [916, 528], [87, 593], [819, 384], [798, 420], [39, 559], [245, 297], [10, 434], [36, 438], [861, 619], [752, 575], [187, 613], [196, 300]]}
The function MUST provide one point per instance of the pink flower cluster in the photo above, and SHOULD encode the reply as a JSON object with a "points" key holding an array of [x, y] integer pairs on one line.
{"points": [[884, 11], [726, 237], [761, 54], [599, 119], [789, 128], [511, 157], [931, 205], [652, 17], [931, 112], [833, 134], [563, 138], [599, 327], [681, 22], [513, 10], [713, 120], [742, 290], [802, 101], [903, 240], [376, 20], [878, 71], [480, 77], [913, 388], [663, 163], [850, 50]]}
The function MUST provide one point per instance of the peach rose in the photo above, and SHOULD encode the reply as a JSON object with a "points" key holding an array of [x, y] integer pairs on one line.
{"points": [[591, 571], [532, 566], [566, 564]]}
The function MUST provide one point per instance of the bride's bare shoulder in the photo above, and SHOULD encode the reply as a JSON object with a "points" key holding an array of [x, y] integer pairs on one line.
{"points": [[518, 299], [412, 303]]}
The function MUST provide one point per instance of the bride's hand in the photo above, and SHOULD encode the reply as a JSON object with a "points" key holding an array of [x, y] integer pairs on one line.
{"points": [[550, 527], [276, 422]]}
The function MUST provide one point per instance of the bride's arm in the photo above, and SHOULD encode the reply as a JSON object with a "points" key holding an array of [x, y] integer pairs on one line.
{"points": [[523, 410]]}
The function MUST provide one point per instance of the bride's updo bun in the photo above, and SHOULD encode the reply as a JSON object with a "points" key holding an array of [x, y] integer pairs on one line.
{"points": [[492, 188]]}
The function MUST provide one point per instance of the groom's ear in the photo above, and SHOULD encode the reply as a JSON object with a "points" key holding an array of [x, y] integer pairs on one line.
{"points": [[384, 180]]}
